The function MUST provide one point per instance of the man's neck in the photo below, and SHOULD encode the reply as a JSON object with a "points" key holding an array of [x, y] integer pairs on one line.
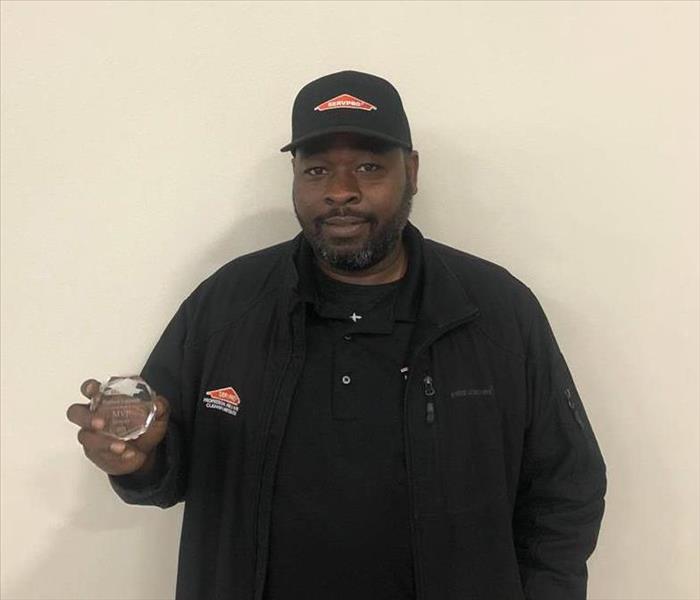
{"points": [[392, 268]]}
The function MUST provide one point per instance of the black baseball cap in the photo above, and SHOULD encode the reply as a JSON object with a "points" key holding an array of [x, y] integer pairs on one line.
{"points": [[349, 101]]}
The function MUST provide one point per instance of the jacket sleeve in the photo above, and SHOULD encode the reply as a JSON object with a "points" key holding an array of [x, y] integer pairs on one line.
{"points": [[166, 484], [560, 501]]}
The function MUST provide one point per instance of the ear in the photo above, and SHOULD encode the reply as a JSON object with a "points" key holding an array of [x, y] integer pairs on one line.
{"points": [[412, 162]]}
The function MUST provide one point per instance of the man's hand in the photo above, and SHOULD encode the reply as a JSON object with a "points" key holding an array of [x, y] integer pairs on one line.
{"points": [[114, 456]]}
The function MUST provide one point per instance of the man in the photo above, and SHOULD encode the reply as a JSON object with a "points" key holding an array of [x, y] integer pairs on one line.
{"points": [[361, 412]]}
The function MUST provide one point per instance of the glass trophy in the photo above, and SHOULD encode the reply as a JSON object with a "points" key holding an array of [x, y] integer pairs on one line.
{"points": [[126, 405]]}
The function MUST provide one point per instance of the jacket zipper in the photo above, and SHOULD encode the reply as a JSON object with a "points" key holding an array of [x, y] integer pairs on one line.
{"points": [[420, 594], [290, 360], [429, 392], [258, 589]]}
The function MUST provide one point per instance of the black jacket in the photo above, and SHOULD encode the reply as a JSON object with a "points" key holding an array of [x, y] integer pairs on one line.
{"points": [[506, 478]]}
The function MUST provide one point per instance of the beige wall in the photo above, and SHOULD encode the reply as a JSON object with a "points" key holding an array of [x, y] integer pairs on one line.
{"points": [[140, 151]]}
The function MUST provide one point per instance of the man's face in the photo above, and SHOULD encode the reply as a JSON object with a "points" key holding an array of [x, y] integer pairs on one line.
{"points": [[352, 197]]}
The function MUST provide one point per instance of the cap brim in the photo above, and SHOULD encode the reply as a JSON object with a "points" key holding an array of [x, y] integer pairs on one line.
{"points": [[343, 129]]}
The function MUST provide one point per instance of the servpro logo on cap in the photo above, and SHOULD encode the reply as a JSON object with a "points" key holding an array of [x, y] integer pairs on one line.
{"points": [[345, 101]]}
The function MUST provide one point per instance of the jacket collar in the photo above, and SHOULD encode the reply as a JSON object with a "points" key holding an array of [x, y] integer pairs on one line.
{"points": [[442, 299]]}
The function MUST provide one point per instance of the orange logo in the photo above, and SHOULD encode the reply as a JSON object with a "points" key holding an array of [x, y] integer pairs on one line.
{"points": [[345, 101], [227, 394]]}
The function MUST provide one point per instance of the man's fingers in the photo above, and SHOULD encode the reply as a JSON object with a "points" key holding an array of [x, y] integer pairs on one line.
{"points": [[113, 456], [162, 408], [93, 442], [79, 414], [107, 446], [89, 388], [156, 431], [82, 416]]}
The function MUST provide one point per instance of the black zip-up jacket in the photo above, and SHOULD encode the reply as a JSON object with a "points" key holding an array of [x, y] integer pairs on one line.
{"points": [[506, 478]]}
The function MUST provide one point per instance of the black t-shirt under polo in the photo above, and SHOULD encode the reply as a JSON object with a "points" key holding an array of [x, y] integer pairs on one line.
{"points": [[340, 518]]}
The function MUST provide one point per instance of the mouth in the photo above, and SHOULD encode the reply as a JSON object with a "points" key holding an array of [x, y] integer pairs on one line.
{"points": [[344, 226]]}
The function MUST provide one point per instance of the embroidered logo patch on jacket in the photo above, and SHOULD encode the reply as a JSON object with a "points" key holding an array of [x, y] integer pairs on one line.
{"points": [[488, 391], [225, 399]]}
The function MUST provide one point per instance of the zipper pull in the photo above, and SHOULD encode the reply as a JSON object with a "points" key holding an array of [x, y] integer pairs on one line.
{"points": [[429, 392]]}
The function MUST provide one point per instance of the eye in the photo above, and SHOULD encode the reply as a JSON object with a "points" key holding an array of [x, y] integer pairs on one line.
{"points": [[314, 171], [369, 167]]}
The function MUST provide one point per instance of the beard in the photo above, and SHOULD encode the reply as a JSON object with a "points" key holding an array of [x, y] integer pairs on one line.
{"points": [[380, 243]]}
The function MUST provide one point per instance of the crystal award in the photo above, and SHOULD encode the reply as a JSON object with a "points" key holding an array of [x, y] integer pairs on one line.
{"points": [[126, 405]]}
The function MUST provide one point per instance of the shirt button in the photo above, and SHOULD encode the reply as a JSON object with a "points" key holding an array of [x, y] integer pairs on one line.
{"points": [[347, 337], [346, 379]]}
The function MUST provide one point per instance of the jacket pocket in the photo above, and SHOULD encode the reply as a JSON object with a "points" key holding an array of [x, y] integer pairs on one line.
{"points": [[470, 447]]}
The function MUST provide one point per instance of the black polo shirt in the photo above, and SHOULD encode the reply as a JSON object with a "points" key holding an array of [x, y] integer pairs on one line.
{"points": [[340, 515]]}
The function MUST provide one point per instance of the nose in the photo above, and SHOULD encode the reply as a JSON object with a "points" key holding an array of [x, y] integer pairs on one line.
{"points": [[342, 188]]}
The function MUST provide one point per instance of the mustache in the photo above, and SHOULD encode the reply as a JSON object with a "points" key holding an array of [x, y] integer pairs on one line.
{"points": [[344, 213]]}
